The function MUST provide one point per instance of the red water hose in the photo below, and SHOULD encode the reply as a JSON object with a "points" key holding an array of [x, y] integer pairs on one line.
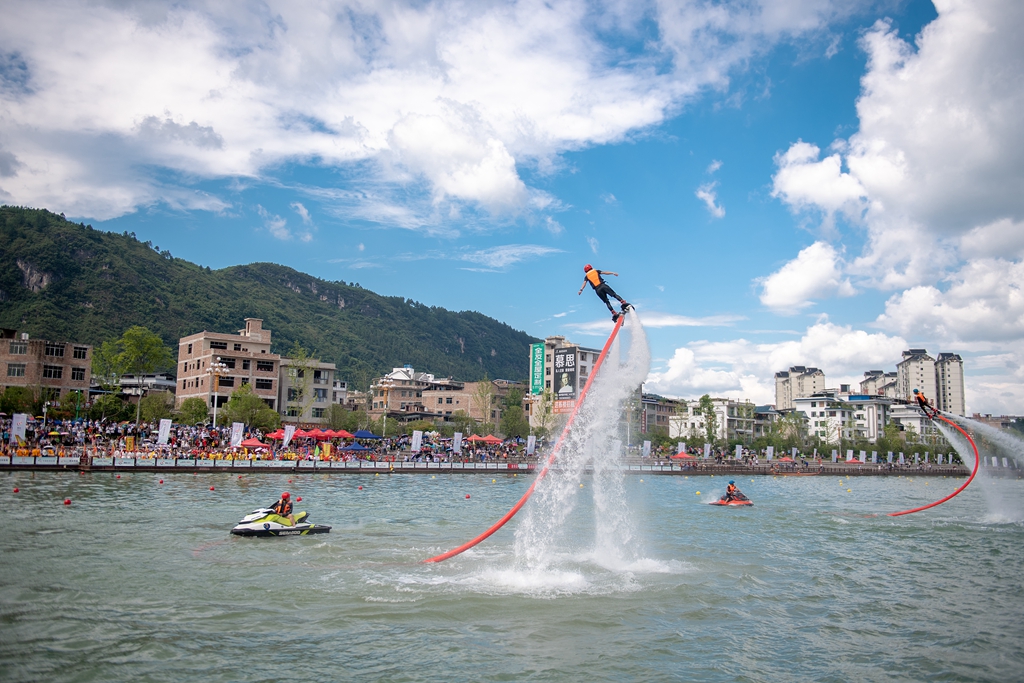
{"points": [[551, 458], [977, 460]]}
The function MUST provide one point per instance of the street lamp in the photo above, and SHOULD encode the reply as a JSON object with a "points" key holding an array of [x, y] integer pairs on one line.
{"points": [[216, 371]]}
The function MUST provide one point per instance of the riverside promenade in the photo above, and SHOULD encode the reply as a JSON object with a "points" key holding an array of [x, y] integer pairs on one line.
{"points": [[402, 464]]}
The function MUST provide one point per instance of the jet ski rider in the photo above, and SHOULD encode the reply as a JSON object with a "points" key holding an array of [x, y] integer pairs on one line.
{"points": [[283, 507], [731, 491]]}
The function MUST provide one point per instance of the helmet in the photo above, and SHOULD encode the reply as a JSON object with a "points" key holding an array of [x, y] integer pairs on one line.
{"points": [[286, 495], [731, 481], [587, 268], [916, 391]]}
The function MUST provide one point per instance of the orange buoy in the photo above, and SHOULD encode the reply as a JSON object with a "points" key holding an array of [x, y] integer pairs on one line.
{"points": [[467, 496], [161, 481], [15, 489], [211, 488], [67, 501], [360, 488], [299, 499], [119, 476]]}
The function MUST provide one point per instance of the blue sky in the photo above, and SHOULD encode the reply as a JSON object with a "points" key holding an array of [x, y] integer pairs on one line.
{"points": [[778, 183]]}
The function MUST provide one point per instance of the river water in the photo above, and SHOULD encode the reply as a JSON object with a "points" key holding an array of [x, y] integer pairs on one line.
{"points": [[140, 581]]}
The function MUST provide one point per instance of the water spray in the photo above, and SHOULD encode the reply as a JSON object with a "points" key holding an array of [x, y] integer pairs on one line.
{"points": [[977, 461], [551, 458]]}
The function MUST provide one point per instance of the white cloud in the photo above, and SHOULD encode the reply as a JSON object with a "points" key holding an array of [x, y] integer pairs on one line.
{"points": [[275, 225], [657, 320], [706, 193], [446, 98], [594, 244], [713, 166], [498, 258], [303, 213], [743, 369], [609, 198], [803, 180], [816, 273]]}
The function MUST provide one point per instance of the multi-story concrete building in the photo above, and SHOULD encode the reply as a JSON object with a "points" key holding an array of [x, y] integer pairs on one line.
{"points": [[50, 369], [142, 385], [879, 383], [797, 382], [915, 371], [656, 411], [305, 390], [833, 415], [734, 421], [912, 421], [949, 384], [547, 380], [247, 358]]}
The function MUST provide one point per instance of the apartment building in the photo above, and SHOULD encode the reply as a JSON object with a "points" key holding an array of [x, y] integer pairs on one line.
{"points": [[797, 382], [305, 390], [879, 383], [656, 412], [50, 369], [949, 384], [833, 415], [915, 371], [734, 421], [246, 358], [558, 370]]}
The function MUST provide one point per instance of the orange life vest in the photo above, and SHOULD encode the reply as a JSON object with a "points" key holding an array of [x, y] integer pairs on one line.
{"points": [[594, 277], [731, 488], [283, 507]]}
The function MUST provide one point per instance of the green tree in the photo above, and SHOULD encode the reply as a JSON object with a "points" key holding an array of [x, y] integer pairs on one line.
{"points": [[110, 407], [72, 404], [193, 411], [461, 422], [484, 396], [17, 400], [513, 419], [706, 407], [157, 406], [246, 407], [106, 364], [141, 352], [338, 417], [544, 413], [300, 375]]}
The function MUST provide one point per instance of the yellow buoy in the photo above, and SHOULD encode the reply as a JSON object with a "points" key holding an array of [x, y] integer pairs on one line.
{"points": [[431, 476], [641, 481], [848, 490], [581, 485], [698, 493]]}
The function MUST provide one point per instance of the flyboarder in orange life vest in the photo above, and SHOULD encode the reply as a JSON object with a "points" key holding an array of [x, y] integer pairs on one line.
{"points": [[922, 402], [601, 288]]}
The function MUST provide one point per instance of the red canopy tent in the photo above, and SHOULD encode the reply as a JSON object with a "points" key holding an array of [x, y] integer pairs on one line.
{"points": [[299, 434], [491, 439], [318, 434], [277, 435], [342, 434], [682, 456], [254, 443], [786, 459], [475, 438]]}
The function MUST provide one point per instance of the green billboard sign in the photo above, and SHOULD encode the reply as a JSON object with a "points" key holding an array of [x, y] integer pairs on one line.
{"points": [[536, 368]]}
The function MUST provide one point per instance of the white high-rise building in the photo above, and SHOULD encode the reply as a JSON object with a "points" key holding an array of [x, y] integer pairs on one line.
{"points": [[797, 382], [915, 371], [949, 380]]}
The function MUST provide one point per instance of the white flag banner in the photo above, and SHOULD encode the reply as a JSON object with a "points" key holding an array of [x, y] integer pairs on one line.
{"points": [[903, 460], [888, 457], [417, 440], [531, 444], [849, 456], [1006, 463], [793, 453], [289, 432], [770, 452], [835, 455], [707, 451], [237, 431], [647, 449], [739, 452], [940, 458], [18, 424], [874, 457], [863, 456], [457, 442], [917, 458], [681, 447], [164, 433]]}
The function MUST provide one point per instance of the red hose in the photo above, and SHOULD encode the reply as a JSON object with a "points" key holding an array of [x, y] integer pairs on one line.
{"points": [[977, 460], [551, 459]]}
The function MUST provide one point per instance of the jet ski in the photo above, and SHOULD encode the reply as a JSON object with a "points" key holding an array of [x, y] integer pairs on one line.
{"points": [[265, 522], [738, 499]]}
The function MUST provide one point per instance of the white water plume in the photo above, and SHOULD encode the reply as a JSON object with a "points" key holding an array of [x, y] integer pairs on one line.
{"points": [[1001, 508], [1007, 443], [590, 441]]}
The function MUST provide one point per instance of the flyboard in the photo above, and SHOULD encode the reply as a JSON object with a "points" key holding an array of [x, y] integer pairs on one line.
{"points": [[977, 461], [551, 458]]}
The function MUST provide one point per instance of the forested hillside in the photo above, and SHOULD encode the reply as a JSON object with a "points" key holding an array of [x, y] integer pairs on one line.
{"points": [[66, 281]]}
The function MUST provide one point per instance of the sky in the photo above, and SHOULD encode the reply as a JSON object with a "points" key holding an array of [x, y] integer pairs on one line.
{"points": [[806, 182]]}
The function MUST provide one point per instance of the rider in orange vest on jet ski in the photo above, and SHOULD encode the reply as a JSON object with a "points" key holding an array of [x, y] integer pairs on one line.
{"points": [[283, 507], [601, 288], [730, 491]]}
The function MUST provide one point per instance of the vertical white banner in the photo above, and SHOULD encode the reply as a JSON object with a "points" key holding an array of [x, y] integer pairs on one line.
{"points": [[739, 451], [681, 447], [531, 444], [849, 456], [457, 442], [647, 449], [926, 456], [237, 430], [835, 455], [18, 424], [888, 457], [903, 460], [707, 451], [289, 432], [164, 433], [939, 458], [917, 458], [771, 452], [417, 440], [793, 453], [863, 456], [874, 457], [1006, 463]]}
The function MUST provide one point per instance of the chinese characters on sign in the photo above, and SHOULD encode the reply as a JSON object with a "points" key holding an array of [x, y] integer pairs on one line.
{"points": [[565, 379], [536, 368]]}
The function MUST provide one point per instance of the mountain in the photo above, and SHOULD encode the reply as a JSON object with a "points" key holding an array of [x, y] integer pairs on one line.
{"points": [[66, 281]]}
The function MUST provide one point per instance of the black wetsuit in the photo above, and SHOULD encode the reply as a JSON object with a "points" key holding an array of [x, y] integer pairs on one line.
{"points": [[603, 291]]}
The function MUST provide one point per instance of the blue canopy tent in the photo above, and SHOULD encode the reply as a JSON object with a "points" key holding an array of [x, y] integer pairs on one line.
{"points": [[363, 434], [355, 447]]}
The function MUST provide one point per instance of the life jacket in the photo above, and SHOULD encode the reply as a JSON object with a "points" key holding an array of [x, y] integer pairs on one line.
{"points": [[731, 488], [594, 277], [283, 507]]}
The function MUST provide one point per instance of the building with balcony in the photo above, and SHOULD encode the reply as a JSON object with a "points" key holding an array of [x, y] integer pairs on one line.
{"points": [[734, 421], [247, 358], [306, 390], [797, 382], [949, 384], [50, 369]]}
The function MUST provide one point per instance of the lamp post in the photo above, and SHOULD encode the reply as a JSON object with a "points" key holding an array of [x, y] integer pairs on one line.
{"points": [[216, 371]]}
